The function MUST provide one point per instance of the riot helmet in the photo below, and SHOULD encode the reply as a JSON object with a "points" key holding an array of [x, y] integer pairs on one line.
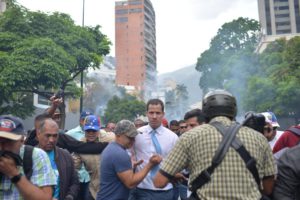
{"points": [[219, 103]]}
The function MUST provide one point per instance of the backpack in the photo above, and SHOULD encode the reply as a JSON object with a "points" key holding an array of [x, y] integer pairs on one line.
{"points": [[294, 130], [27, 161]]}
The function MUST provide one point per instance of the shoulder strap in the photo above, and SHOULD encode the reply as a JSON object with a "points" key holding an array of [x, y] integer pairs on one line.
{"points": [[294, 130], [244, 154], [224, 145], [27, 161]]}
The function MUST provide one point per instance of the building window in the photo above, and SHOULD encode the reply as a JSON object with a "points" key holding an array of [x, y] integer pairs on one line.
{"points": [[135, 10], [283, 23], [121, 11], [282, 15], [283, 31], [122, 19], [281, 1], [41, 102], [135, 2]]}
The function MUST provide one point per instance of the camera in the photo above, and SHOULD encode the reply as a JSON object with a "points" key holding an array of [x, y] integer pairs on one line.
{"points": [[255, 121]]}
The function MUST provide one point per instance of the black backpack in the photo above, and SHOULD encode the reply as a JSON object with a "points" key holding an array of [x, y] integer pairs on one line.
{"points": [[27, 161]]}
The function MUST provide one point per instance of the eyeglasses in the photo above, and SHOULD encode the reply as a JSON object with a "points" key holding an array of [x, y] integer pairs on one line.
{"points": [[268, 129], [182, 127]]}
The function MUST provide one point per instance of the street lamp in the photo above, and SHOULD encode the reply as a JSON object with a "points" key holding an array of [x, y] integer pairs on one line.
{"points": [[81, 75]]}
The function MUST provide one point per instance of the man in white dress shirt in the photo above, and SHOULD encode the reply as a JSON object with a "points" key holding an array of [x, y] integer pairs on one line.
{"points": [[155, 139]]}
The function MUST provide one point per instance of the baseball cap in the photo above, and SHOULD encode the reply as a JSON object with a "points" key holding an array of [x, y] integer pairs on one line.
{"points": [[271, 118], [85, 113], [11, 127], [127, 128], [92, 122]]}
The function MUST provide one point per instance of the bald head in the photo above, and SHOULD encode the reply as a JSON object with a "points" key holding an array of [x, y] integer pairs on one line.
{"points": [[47, 134]]}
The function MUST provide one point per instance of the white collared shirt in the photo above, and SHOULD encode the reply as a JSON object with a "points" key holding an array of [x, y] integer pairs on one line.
{"points": [[144, 149]]}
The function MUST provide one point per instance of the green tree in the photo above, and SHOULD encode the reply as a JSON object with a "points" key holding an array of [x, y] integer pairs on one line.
{"points": [[127, 107], [234, 42], [277, 86], [42, 52]]}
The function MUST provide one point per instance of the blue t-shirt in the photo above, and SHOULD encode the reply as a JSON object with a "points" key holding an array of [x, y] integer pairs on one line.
{"points": [[114, 159], [54, 167]]}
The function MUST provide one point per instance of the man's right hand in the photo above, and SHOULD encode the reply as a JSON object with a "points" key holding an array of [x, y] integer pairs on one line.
{"points": [[155, 159]]}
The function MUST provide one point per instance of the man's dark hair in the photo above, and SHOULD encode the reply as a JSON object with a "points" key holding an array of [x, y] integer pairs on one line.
{"points": [[174, 123], [255, 121], [181, 121], [156, 102], [195, 113]]}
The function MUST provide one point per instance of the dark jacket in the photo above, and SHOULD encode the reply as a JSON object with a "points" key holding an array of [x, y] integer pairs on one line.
{"points": [[71, 144], [287, 186], [68, 178]]}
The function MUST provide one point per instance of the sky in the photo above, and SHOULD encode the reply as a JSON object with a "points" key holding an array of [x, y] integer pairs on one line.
{"points": [[184, 28]]}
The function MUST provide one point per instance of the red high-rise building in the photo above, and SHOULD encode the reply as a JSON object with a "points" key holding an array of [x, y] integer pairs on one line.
{"points": [[135, 45]]}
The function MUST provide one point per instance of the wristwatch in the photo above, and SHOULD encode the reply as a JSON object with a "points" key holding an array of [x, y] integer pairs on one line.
{"points": [[16, 178]]}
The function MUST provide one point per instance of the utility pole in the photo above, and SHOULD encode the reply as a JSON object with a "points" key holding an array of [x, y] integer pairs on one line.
{"points": [[81, 75]]}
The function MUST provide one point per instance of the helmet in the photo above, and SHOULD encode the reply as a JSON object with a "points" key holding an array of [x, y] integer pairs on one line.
{"points": [[219, 103]]}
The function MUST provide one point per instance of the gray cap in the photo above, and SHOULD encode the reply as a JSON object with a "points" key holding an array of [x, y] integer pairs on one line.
{"points": [[126, 127]]}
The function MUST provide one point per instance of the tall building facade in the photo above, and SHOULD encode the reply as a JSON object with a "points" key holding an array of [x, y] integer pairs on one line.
{"points": [[278, 18], [135, 43]]}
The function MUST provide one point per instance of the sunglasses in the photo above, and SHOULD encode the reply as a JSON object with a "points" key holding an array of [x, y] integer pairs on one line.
{"points": [[183, 127], [268, 129]]}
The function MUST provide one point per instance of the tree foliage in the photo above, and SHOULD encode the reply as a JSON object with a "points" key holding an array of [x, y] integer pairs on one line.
{"points": [[226, 56], [42, 52], [261, 82], [276, 87], [127, 107]]}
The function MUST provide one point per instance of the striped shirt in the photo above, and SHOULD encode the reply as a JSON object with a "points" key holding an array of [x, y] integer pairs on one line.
{"points": [[42, 175], [231, 179]]}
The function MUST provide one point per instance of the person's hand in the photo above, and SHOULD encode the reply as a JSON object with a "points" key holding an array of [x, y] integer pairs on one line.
{"points": [[179, 177], [56, 101], [155, 159], [8, 166], [77, 161], [137, 163]]}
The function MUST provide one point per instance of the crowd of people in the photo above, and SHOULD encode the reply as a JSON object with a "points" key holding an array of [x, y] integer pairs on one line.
{"points": [[205, 155]]}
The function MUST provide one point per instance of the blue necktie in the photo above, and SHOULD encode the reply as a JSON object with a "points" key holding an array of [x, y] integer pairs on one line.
{"points": [[158, 151]]}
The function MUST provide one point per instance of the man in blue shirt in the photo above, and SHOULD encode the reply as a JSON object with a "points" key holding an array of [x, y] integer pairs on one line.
{"points": [[117, 174], [61, 161]]}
